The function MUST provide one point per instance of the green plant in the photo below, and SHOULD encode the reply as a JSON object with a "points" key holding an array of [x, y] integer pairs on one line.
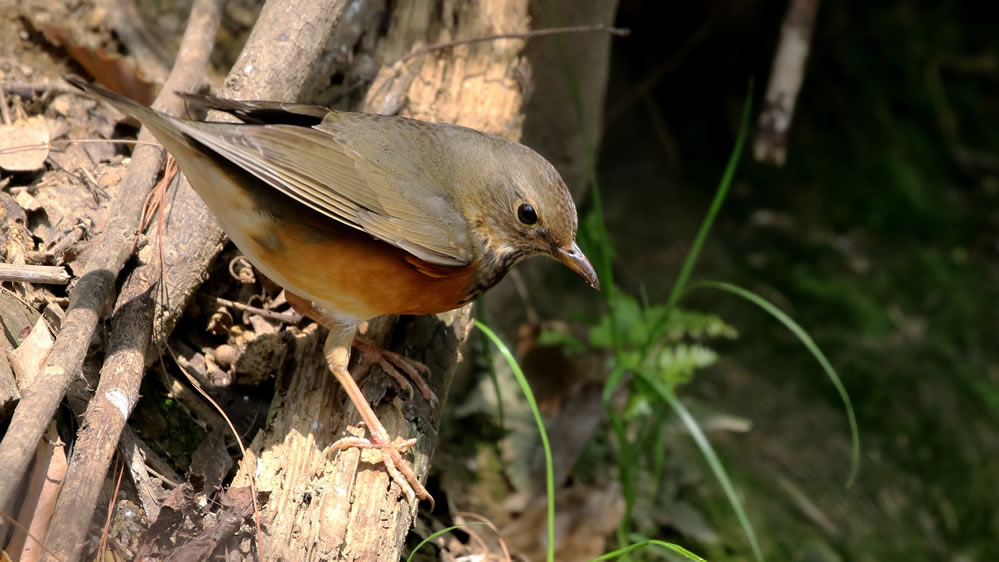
{"points": [[654, 349], [549, 475], [434, 535]]}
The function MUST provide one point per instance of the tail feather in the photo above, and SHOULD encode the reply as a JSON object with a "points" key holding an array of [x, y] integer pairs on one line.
{"points": [[262, 112], [224, 187], [162, 126], [124, 103]]}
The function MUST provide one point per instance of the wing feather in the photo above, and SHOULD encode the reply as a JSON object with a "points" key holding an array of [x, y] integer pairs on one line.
{"points": [[318, 170]]}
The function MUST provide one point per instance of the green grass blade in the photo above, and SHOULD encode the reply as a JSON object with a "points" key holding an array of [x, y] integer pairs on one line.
{"points": [[807, 341], [614, 380], [714, 462], [667, 545], [695, 249], [437, 534], [480, 315], [526, 389]]}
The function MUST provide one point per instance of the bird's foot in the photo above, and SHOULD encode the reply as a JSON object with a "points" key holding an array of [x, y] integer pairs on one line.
{"points": [[392, 363], [398, 469]]}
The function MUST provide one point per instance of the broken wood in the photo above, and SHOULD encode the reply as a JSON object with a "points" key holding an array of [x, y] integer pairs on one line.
{"points": [[51, 274], [35, 514]]}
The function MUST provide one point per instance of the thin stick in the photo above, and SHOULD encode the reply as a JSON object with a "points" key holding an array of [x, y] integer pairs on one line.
{"points": [[286, 317], [785, 81], [598, 27], [488, 523], [50, 144], [48, 274], [5, 517], [107, 521]]}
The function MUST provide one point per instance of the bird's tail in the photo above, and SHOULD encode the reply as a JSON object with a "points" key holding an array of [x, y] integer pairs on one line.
{"points": [[160, 125]]}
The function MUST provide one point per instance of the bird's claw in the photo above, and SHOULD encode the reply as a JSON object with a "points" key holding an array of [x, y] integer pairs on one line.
{"points": [[398, 469], [392, 362]]}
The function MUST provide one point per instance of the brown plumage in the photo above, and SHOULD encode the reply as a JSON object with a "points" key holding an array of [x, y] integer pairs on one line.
{"points": [[360, 215]]}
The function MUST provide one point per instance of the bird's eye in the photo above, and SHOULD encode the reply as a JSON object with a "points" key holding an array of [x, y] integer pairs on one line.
{"points": [[527, 214]]}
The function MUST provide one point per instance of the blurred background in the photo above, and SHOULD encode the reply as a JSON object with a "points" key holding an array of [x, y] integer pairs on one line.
{"points": [[879, 235]]}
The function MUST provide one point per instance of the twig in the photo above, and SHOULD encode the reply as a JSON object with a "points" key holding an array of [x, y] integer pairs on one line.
{"points": [[48, 274], [972, 161], [525, 297], [52, 144], [55, 252], [785, 81], [7, 519], [3, 109], [286, 317], [121, 374], [492, 527], [669, 144], [648, 83], [597, 27], [102, 549]]}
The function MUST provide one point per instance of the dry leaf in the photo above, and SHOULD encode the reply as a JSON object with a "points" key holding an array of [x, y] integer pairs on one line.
{"points": [[114, 71], [48, 473], [29, 357], [24, 145], [585, 517]]}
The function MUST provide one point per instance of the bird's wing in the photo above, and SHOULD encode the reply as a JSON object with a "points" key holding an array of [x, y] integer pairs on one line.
{"points": [[315, 169]]}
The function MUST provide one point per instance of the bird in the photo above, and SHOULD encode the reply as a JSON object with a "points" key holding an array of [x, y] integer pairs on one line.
{"points": [[358, 215]]}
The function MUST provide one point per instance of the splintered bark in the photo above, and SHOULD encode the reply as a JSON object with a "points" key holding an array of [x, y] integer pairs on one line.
{"points": [[348, 508]]}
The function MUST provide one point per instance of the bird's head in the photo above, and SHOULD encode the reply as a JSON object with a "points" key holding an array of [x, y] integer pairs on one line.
{"points": [[526, 210]]}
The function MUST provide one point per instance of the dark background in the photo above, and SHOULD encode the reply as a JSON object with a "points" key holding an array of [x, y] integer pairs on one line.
{"points": [[877, 236]]}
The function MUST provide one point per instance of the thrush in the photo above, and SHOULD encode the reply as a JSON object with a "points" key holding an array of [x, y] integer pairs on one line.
{"points": [[358, 215]]}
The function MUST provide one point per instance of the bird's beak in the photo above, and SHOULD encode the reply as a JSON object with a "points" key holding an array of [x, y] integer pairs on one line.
{"points": [[574, 259]]}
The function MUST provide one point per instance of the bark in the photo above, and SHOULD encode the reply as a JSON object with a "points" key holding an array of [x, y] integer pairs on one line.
{"points": [[347, 509]]}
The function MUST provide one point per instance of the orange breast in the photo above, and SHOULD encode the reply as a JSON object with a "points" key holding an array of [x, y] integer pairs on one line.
{"points": [[352, 273]]}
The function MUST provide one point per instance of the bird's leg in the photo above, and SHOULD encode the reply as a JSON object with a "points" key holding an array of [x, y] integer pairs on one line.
{"points": [[337, 352], [391, 363], [372, 355]]}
